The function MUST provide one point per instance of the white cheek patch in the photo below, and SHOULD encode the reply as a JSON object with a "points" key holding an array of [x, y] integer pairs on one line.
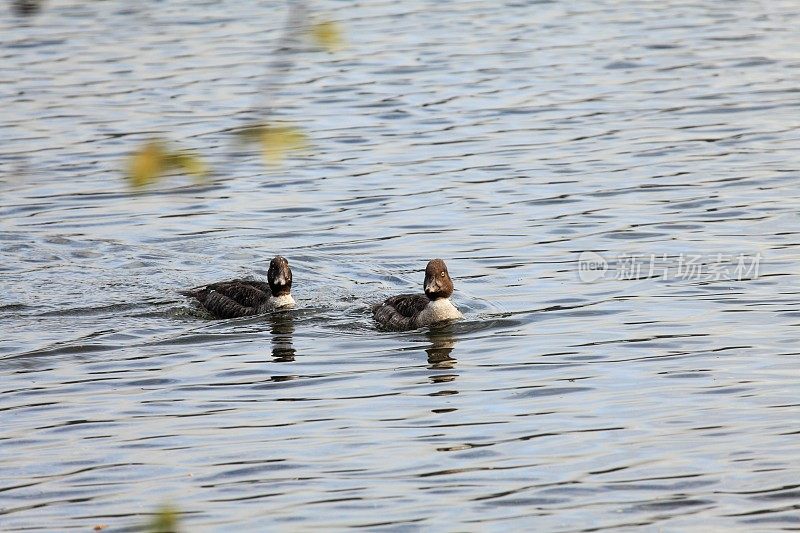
{"points": [[280, 280]]}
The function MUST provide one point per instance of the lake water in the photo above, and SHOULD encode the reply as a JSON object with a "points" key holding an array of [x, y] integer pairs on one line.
{"points": [[507, 138]]}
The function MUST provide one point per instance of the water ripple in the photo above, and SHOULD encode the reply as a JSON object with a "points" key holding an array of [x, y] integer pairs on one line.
{"points": [[505, 138]]}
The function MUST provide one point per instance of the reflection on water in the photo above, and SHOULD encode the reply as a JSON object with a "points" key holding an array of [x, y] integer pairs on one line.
{"points": [[507, 139], [442, 344], [282, 328]]}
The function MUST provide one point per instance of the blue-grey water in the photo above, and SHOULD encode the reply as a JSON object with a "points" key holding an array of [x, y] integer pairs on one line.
{"points": [[505, 137]]}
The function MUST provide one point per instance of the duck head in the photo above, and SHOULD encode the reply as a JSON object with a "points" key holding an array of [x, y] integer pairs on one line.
{"points": [[279, 276], [437, 280]]}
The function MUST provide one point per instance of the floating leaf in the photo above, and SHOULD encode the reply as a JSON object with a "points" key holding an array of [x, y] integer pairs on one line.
{"points": [[277, 141], [164, 521], [189, 163], [155, 158], [147, 164], [250, 133], [328, 35]]}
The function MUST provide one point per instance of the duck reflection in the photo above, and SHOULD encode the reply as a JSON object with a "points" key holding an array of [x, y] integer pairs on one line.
{"points": [[26, 8], [441, 348], [282, 329]]}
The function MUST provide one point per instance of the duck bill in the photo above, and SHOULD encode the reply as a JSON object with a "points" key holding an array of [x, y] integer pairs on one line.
{"points": [[432, 288]]}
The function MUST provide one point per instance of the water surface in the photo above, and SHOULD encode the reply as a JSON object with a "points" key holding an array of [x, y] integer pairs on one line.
{"points": [[506, 138]]}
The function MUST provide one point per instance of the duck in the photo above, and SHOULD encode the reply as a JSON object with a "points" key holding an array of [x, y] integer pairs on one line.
{"points": [[243, 297], [412, 311]]}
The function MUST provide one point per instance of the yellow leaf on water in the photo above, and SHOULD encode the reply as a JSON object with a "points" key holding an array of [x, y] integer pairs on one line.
{"points": [[164, 521], [147, 164], [328, 35], [250, 133], [277, 141], [155, 158], [189, 163]]}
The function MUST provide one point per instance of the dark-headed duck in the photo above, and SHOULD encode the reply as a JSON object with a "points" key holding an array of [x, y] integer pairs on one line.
{"points": [[241, 297], [410, 311]]}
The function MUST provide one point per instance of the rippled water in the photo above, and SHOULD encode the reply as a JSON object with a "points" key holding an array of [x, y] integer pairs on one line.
{"points": [[507, 139]]}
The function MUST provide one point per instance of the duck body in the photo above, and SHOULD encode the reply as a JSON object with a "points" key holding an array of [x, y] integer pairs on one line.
{"points": [[238, 297], [411, 311], [242, 297]]}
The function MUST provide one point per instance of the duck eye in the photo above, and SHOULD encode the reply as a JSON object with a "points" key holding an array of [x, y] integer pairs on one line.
{"points": [[442, 274]]}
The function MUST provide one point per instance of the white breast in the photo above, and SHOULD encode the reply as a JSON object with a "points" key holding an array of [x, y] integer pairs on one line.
{"points": [[276, 302], [438, 311]]}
